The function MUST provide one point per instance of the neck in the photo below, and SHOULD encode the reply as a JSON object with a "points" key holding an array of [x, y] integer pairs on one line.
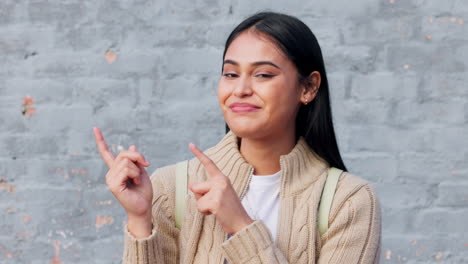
{"points": [[264, 153]]}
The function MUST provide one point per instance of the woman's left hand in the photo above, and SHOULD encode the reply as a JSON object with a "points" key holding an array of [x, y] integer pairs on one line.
{"points": [[216, 196]]}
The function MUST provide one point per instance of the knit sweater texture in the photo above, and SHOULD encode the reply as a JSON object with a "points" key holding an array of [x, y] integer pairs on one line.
{"points": [[353, 235]]}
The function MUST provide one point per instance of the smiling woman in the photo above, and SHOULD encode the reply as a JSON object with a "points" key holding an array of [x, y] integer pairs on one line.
{"points": [[259, 91], [254, 196]]}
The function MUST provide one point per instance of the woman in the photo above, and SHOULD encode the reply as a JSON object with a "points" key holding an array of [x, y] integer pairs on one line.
{"points": [[254, 195]]}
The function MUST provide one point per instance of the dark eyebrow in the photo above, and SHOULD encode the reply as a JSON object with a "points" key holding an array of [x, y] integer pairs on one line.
{"points": [[257, 63]]}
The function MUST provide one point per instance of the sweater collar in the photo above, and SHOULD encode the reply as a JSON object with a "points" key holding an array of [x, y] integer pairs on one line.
{"points": [[299, 168]]}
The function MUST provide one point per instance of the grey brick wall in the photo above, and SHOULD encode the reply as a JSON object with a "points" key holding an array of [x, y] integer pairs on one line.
{"points": [[146, 72]]}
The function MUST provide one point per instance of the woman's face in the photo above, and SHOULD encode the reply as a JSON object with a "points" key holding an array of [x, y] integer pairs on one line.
{"points": [[259, 91]]}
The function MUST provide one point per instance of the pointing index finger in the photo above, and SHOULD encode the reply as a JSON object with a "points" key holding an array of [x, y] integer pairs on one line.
{"points": [[102, 147], [209, 165]]}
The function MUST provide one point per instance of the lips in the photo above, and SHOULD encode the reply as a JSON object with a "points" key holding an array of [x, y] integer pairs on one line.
{"points": [[243, 107]]}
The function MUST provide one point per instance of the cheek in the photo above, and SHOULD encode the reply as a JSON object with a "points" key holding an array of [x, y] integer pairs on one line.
{"points": [[282, 102], [223, 93], [278, 95]]}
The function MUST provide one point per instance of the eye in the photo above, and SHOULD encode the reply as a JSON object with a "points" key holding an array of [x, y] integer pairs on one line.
{"points": [[264, 75], [230, 75]]}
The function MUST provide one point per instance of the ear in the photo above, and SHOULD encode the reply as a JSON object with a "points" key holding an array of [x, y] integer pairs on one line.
{"points": [[310, 87]]}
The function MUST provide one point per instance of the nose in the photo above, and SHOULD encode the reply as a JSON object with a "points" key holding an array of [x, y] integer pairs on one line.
{"points": [[243, 87]]}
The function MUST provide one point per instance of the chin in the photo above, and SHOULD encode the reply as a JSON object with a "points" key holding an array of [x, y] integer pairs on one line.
{"points": [[246, 130]]}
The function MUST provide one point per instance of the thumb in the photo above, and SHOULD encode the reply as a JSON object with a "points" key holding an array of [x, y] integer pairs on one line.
{"points": [[143, 161], [200, 189], [144, 173]]}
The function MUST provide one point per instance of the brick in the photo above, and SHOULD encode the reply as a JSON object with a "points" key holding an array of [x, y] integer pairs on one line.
{"points": [[177, 12], [397, 219], [75, 171], [8, 12], [421, 58], [192, 61], [440, 221], [82, 37], [325, 9], [43, 91], [106, 250], [21, 40], [385, 28], [435, 166], [388, 139], [339, 86], [437, 8], [355, 112], [326, 29], [68, 13], [384, 86], [455, 139], [360, 59], [438, 26], [414, 248], [170, 35], [429, 113], [373, 167], [396, 195], [440, 86], [452, 194], [203, 87], [12, 120]]}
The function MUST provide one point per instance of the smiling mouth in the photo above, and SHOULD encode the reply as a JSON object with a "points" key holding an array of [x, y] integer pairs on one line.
{"points": [[244, 109]]}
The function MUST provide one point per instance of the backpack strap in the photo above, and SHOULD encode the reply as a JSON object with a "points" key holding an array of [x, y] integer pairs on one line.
{"points": [[327, 198], [181, 191]]}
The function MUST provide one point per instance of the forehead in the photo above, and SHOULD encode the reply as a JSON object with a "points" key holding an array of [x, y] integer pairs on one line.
{"points": [[249, 47]]}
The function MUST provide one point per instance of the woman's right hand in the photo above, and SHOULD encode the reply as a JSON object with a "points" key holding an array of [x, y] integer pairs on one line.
{"points": [[129, 182]]}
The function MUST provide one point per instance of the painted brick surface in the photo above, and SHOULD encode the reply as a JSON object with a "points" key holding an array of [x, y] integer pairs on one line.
{"points": [[146, 72]]}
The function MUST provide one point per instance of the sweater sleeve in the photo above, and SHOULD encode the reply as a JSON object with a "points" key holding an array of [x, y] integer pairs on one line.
{"points": [[253, 244], [354, 233], [162, 246]]}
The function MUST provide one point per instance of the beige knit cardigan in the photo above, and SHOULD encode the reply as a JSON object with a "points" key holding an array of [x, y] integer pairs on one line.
{"points": [[354, 229]]}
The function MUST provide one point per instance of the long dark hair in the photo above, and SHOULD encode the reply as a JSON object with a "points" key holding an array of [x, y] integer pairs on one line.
{"points": [[314, 120]]}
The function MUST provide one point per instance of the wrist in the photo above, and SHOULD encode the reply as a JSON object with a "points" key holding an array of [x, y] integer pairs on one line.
{"points": [[245, 223], [140, 226]]}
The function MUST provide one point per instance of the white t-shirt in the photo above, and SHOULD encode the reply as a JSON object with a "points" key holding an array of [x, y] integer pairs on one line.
{"points": [[261, 200]]}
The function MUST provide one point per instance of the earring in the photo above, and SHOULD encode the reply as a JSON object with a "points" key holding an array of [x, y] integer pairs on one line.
{"points": [[306, 101]]}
